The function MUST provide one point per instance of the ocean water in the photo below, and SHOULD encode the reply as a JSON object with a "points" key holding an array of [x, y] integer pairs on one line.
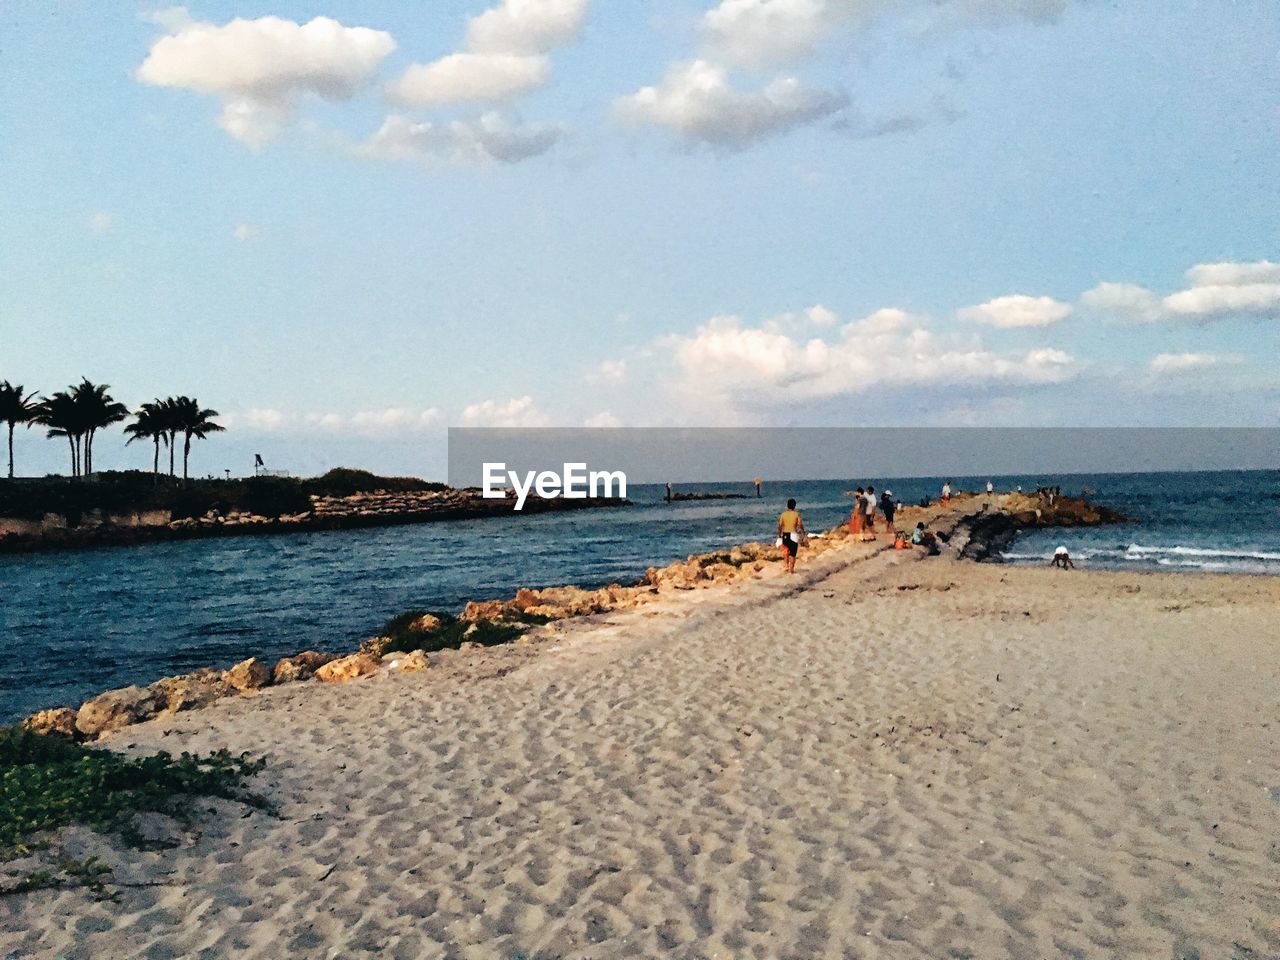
{"points": [[75, 623]]}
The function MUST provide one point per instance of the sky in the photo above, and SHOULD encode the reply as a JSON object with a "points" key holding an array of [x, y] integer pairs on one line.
{"points": [[347, 226]]}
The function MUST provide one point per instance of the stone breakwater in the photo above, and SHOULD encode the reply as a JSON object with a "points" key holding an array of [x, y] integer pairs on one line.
{"points": [[375, 509], [990, 532], [965, 527]]}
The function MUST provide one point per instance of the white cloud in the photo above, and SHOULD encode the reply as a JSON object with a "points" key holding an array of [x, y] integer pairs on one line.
{"points": [[515, 412], [260, 68], [1233, 274], [488, 138], [389, 421], [244, 231], [609, 371], [726, 362], [101, 222], [526, 26], [1216, 291], [602, 419], [696, 101], [1168, 363], [758, 32], [820, 316], [505, 55], [1017, 310], [470, 78]]}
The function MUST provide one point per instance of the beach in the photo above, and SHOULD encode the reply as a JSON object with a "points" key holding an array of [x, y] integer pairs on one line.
{"points": [[884, 756]]}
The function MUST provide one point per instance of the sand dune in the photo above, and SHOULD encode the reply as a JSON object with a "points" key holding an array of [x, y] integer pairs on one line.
{"points": [[881, 758]]}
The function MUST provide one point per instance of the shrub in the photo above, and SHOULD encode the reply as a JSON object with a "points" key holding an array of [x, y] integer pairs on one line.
{"points": [[401, 635], [47, 782], [345, 481]]}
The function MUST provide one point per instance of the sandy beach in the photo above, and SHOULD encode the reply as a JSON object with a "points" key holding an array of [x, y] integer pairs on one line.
{"points": [[883, 756]]}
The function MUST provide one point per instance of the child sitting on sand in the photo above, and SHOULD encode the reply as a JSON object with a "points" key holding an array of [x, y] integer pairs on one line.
{"points": [[924, 538], [1062, 559]]}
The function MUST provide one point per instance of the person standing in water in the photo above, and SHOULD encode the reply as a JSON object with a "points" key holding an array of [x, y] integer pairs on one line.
{"points": [[757, 488], [790, 532]]}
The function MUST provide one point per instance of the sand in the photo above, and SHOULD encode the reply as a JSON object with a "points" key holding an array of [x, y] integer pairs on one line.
{"points": [[881, 757]]}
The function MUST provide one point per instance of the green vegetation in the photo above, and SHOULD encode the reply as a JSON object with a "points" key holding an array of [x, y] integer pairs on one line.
{"points": [[403, 633], [344, 481], [48, 782]]}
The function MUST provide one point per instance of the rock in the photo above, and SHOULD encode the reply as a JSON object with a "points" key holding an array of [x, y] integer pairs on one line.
{"points": [[526, 598], [485, 610], [548, 610], [251, 674], [347, 668], [427, 623], [115, 709], [722, 572], [471, 630], [190, 691], [412, 662], [301, 666], [470, 645], [58, 720]]}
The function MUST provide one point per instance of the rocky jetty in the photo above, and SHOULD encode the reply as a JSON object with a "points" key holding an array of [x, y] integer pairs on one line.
{"points": [[372, 509], [990, 531]]}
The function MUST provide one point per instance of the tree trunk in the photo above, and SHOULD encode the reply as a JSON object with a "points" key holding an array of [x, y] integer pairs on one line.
{"points": [[186, 452], [11, 451], [155, 461], [71, 442], [88, 454], [173, 438]]}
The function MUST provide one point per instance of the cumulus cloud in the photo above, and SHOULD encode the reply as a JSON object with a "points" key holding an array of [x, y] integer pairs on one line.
{"points": [[697, 102], [1172, 363], [1215, 291], [488, 138], [515, 412], [505, 56], [1017, 310], [470, 78], [726, 361], [260, 68]]}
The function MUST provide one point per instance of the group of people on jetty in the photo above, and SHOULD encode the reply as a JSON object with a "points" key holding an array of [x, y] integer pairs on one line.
{"points": [[867, 508]]}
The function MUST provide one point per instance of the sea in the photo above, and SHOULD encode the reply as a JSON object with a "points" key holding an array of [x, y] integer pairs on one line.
{"points": [[75, 623]]}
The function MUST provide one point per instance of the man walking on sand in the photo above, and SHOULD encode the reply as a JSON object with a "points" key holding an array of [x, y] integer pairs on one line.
{"points": [[790, 533], [872, 505]]}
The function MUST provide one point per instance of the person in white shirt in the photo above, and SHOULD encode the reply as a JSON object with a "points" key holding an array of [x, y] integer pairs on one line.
{"points": [[991, 487], [1062, 559], [869, 525], [946, 492]]}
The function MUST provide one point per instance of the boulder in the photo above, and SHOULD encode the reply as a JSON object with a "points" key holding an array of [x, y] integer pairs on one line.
{"points": [[58, 720], [301, 666], [548, 610], [485, 610], [115, 709], [251, 674], [190, 691], [347, 668], [411, 662], [526, 598], [470, 645]]}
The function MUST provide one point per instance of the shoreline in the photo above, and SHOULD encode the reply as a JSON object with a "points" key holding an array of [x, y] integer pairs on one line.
{"points": [[967, 534], [886, 755]]}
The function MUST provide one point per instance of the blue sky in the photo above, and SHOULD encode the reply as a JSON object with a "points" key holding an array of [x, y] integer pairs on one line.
{"points": [[746, 212]]}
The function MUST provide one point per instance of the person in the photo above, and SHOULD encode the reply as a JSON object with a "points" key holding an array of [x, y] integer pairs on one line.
{"points": [[668, 491], [859, 511], [946, 492], [790, 532], [872, 506], [887, 509], [1062, 559], [924, 538], [757, 488], [991, 488]]}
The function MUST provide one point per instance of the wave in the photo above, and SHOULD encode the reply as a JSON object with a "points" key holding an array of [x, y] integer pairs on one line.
{"points": [[1137, 549]]}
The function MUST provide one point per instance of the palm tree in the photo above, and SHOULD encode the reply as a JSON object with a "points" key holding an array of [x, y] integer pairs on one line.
{"points": [[193, 422], [60, 415], [16, 406], [149, 423], [97, 409]]}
